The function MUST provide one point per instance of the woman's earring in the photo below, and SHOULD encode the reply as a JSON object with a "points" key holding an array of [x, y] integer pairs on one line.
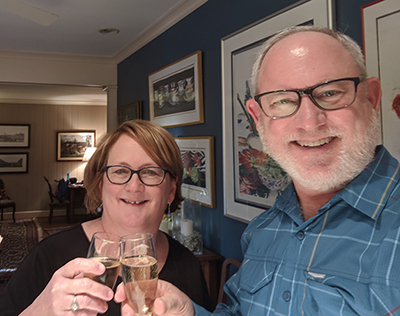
{"points": [[100, 208], [169, 211]]}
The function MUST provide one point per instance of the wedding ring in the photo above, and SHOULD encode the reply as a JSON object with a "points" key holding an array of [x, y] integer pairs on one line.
{"points": [[74, 305]]}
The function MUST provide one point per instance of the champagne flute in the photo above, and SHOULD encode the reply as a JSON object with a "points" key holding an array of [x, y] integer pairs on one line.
{"points": [[105, 248], [139, 272]]}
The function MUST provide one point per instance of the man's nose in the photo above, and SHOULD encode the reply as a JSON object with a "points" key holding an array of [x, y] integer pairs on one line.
{"points": [[309, 116]]}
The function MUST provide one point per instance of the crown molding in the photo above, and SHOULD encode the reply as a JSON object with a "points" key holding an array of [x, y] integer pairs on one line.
{"points": [[32, 55], [170, 18]]}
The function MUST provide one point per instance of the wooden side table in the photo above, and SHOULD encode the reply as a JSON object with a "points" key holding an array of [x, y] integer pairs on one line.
{"points": [[77, 198], [208, 261]]}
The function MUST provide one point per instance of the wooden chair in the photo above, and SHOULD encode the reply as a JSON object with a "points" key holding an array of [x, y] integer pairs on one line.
{"points": [[56, 202], [5, 201], [225, 275]]}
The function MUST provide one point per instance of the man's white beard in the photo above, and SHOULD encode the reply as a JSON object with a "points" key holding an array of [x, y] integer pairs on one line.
{"points": [[351, 160]]}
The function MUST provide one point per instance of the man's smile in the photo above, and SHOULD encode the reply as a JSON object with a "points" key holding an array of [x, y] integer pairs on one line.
{"points": [[315, 143]]}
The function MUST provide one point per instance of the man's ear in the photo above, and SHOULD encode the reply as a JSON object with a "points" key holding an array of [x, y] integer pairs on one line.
{"points": [[374, 92], [253, 108]]}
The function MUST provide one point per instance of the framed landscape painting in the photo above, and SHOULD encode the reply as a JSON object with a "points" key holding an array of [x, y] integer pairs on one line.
{"points": [[130, 112], [252, 179], [71, 145], [14, 135], [176, 93], [197, 155], [14, 162]]}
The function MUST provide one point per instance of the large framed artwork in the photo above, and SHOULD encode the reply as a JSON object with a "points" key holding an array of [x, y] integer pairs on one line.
{"points": [[129, 112], [71, 145], [14, 162], [252, 180], [14, 135], [176, 93], [198, 169], [381, 27]]}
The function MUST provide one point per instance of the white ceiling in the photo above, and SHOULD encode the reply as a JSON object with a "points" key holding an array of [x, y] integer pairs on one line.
{"points": [[75, 31]]}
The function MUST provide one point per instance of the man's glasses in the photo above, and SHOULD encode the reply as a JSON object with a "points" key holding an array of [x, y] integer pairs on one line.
{"points": [[332, 95], [151, 176]]}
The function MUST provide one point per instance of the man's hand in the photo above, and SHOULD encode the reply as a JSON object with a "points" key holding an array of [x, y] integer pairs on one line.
{"points": [[170, 301]]}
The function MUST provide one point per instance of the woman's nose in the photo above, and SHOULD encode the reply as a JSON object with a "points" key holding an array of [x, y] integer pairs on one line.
{"points": [[134, 183]]}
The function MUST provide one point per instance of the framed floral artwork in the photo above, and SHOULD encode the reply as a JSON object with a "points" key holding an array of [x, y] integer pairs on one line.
{"points": [[381, 26], [197, 155], [252, 179]]}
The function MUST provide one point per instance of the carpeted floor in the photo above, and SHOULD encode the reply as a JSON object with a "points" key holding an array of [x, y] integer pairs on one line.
{"points": [[18, 239]]}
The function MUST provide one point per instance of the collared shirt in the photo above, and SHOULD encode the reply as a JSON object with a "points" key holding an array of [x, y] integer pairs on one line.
{"points": [[343, 261]]}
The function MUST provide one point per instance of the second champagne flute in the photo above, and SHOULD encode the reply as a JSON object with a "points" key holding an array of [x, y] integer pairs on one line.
{"points": [[105, 248], [139, 272]]}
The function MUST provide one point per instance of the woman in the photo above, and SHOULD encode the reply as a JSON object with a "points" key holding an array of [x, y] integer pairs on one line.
{"points": [[134, 177]]}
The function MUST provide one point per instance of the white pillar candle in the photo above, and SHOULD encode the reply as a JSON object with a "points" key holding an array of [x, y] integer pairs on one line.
{"points": [[186, 227]]}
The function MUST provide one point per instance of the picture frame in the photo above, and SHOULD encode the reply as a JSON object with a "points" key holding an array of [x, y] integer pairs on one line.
{"points": [[176, 93], [15, 135], [381, 25], [252, 180], [71, 145], [14, 162], [198, 155], [129, 112]]}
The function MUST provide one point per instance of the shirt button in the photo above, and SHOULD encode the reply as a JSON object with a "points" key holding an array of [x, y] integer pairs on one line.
{"points": [[287, 296], [300, 235]]}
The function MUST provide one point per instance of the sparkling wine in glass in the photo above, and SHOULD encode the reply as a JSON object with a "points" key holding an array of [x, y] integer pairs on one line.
{"points": [[105, 248], [139, 272]]}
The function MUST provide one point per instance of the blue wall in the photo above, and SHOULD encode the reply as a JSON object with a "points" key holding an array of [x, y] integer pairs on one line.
{"points": [[203, 30]]}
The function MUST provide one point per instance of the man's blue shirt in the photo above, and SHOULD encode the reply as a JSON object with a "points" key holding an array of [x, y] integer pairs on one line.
{"points": [[343, 261]]}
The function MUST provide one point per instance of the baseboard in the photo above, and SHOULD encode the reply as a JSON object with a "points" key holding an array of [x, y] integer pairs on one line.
{"points": [[31, 214]]}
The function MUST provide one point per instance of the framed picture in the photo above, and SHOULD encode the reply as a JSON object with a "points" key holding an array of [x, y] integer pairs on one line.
{"points": [[71, 145], [13, 162], [381, 26], [130, 112], [252, 180], [176, 93], [14, 135], [198, 163]]}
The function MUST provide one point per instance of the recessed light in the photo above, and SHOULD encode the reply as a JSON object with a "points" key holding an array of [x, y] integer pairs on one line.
{"points": [[109, 31]]}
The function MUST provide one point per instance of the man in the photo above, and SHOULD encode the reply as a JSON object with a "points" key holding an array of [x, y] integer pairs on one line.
{"points": [[330, 245]]}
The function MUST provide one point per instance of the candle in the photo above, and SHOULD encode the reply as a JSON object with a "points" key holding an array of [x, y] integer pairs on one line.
{"points": [[186, 227]]}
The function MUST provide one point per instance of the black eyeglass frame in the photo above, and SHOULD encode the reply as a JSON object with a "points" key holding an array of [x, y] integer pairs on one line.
{"points": [[105, 169], [309, 91]]}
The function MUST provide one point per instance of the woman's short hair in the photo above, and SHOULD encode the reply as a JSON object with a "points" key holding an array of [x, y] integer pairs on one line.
{"points": [[158, 144]]}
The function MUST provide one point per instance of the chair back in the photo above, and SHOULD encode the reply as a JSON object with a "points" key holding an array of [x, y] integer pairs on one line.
{"points": [[225, 275], [50, 190], [1, 185]]}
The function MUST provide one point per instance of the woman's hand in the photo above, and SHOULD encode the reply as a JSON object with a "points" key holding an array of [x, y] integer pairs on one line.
{"points": [[170, 301], [66, 284]]}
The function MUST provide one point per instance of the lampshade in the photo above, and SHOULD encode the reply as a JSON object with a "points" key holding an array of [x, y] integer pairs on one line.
{"points": [[88, 153]]}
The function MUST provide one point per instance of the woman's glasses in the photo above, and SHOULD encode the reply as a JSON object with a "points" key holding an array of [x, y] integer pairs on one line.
{"points": [[151, 176]]}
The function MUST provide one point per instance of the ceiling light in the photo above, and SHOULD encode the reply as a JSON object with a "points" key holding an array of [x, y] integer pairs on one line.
{"points": [[109, 31]]}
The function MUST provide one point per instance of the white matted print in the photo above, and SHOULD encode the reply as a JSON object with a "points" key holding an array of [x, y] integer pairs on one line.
{"points": [[252, 180], [176, 93], [198, 169], [381, 21]]}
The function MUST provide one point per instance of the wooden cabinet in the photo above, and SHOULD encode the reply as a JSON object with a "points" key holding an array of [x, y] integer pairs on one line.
{"points": [[209, 262]]}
